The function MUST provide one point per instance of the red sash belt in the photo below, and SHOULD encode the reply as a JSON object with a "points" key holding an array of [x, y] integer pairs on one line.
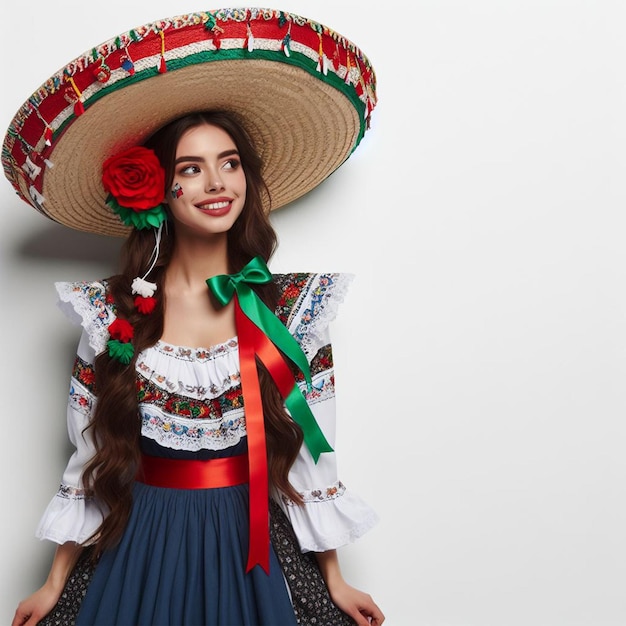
{"points": [[193, 474]]}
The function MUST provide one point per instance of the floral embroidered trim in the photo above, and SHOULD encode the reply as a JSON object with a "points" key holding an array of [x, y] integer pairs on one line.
{"points": [[73, 493], [308, 321], [84, 373], [323, 388], [80, 402], [197, 354], [222, 401], [89, 302], [292, 286], [188, 434], [336, 490]]}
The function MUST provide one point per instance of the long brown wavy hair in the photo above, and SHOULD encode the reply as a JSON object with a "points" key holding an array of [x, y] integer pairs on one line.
{"points": [[116, 424]]}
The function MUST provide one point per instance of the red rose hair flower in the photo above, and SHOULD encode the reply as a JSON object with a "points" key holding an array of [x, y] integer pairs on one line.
{"points": [[134, 178]]}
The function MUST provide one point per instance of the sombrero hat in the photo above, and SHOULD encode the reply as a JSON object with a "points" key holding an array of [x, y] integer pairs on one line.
{"points": [[304, 93]]}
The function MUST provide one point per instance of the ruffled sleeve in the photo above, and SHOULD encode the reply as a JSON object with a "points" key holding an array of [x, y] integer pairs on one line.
{"points": [[72, 514], [85, 303], [332, 515]]}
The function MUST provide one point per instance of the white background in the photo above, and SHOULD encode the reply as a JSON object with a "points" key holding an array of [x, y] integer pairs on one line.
{"points": [[481, 352]]}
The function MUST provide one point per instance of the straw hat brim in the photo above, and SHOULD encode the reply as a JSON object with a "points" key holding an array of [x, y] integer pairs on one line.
{"points": [[304, 120]]}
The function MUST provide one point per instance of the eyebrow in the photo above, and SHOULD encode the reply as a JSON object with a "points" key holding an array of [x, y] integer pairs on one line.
{"points": [[197, 159]]}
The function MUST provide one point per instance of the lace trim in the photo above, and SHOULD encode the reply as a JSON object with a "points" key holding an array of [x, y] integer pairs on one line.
{"points": [[327, 293], [190, 435], [89, 308], [346, 536]]}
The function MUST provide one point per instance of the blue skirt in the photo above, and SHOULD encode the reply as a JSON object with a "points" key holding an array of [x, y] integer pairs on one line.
{"points": [[181, 562]]}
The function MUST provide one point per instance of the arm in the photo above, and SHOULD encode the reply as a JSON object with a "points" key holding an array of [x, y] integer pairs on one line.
{"points": [[71, 516], [31, 610], [331, 515], [357, 604]]}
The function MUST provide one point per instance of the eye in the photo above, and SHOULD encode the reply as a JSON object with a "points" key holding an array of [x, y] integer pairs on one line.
{"points": [[189, 170], [231, 164]]}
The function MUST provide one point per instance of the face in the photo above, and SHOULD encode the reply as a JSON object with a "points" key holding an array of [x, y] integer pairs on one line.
{"points": [[208, 192]]}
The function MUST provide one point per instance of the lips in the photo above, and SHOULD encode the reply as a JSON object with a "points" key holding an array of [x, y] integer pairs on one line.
{"points": [[214, 205], [217, 207]]}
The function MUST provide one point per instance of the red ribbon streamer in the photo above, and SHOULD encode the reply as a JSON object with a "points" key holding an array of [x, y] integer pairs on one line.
{"points": [[253, 342], [259, 548]]}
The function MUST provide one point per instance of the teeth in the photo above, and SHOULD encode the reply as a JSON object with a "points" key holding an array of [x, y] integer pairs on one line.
{"points": [[214, 206]]}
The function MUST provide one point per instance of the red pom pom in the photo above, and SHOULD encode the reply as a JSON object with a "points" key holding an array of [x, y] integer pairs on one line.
{"points": [[145, 305], [121, 330]]}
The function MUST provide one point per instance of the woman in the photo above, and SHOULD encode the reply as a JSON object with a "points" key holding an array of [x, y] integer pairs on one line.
{"points": [[203, 386]]}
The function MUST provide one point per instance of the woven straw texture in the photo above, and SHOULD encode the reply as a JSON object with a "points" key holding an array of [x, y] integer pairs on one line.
{"points": [[303, 92]]}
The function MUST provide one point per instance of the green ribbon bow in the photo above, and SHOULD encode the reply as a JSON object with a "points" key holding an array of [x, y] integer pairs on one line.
{"points": [[223, 287]]}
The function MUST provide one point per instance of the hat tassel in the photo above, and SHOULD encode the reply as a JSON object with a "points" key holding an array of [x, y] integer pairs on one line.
{"points": [[217, 42], [336, 61], [322, 61], [285, 44], [127, 63], [79, 108], [215, 30], [249, 40], [48, 133], [347, 78], [162, 63]]}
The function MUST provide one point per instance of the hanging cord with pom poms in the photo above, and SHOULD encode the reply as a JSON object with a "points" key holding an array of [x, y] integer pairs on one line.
{"points": [[145, 301], [121, 331]]}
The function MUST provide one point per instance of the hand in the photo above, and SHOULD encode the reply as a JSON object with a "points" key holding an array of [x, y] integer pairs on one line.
{"points": [[358, 605], [34, 608]]}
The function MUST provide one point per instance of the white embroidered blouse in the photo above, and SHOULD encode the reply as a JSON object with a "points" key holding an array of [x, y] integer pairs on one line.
{"points": [[190, 400]]}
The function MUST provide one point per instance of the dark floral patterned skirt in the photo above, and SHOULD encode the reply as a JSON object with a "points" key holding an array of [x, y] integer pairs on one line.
{"points": [[310, 597]]}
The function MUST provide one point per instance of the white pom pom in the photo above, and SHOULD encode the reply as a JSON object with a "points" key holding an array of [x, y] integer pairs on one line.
{"points": [[143, 287]]}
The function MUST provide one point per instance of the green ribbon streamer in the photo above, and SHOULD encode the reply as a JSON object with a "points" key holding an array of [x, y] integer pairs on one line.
{"points": [[223, 287], [256, 271], [301, 412]]}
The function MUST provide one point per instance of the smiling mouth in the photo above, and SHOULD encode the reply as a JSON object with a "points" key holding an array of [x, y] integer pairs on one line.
{"points": [[214, 206]]}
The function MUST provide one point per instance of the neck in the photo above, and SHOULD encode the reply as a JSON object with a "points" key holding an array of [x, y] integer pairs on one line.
{"points": [[195, 260]]}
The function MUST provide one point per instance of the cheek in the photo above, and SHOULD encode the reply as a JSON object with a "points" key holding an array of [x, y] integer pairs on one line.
{"points": [[176, 191], [241, 184]]}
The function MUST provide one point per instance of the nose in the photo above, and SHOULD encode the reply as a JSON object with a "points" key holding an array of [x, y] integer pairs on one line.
{"points": [[214, 183]]}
